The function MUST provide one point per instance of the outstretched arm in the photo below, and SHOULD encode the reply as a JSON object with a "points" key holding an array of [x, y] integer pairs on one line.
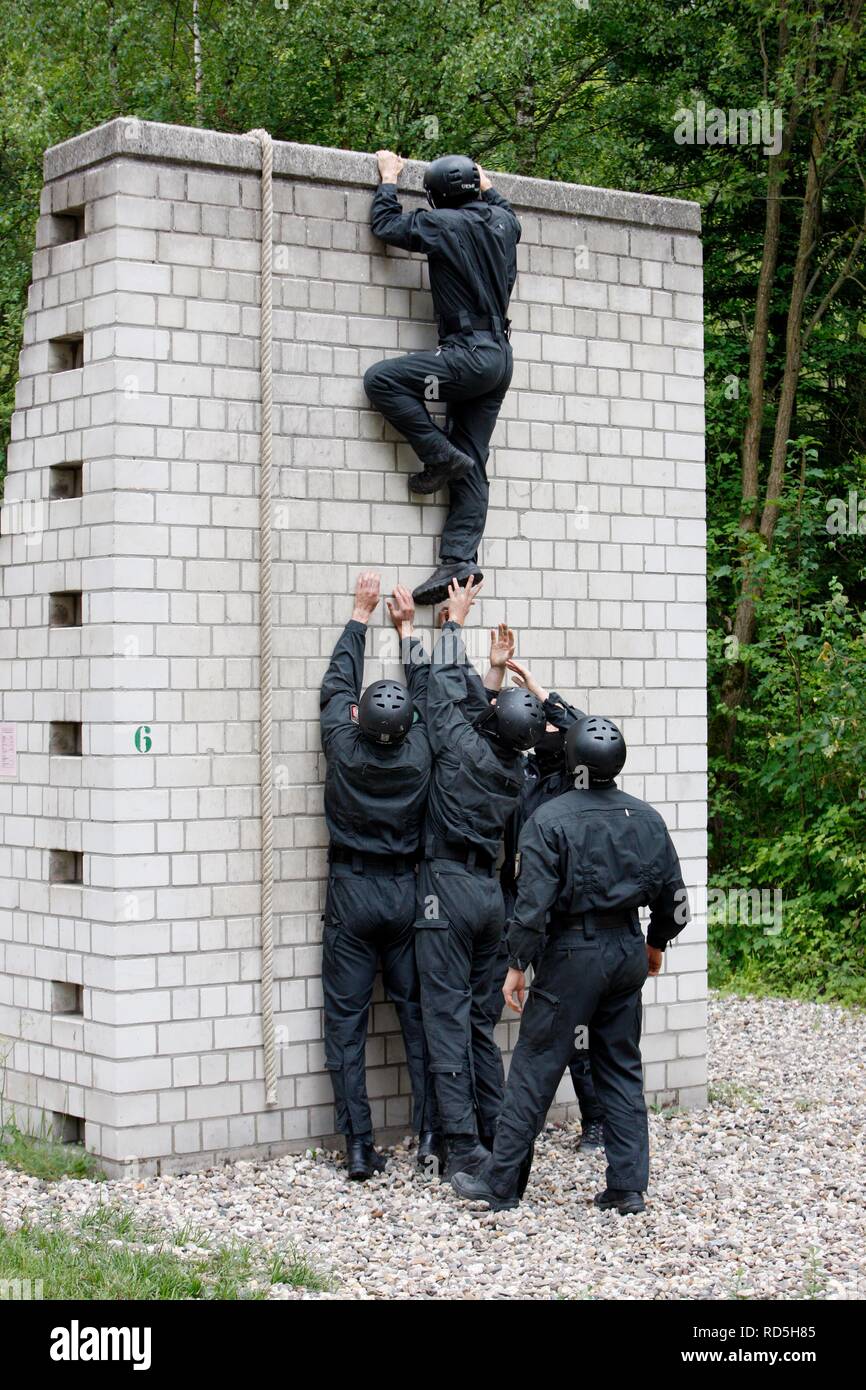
{"points": [[416, 662], [490, 195], [413, 231], [341, 687], [501, 649], [447, 722]]}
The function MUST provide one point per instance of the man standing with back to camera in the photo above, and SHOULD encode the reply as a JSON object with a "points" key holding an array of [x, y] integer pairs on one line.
{"points": [[477, 748], [378, 769], [470, 236], [588, 860]]}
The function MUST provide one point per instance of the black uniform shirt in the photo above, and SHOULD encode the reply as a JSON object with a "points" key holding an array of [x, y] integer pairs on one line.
{"points": [[543, 778], [374, 795], [595, 848], [472, 249], [474, 785]]}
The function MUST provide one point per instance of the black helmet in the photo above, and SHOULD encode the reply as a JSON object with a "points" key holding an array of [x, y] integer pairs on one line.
{"points": [[520, 718], [452, 181], [386, 711], [596, 744]]}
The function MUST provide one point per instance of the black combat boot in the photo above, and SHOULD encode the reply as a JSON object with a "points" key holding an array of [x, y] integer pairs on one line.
{"points": [[431, 1152], [592, 1136], [473, 1187], [362, 1160], [453, 464], [435, 589], [626, 1203], [465, 1155]]}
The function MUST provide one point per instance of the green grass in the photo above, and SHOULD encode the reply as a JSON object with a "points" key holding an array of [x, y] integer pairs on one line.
{"points": [[667, 1112], [788, 973], [814, 1278], [45, 1158], [732, 1094], [113, 1254]]}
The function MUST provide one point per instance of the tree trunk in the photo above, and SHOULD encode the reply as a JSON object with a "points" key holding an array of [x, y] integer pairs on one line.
{"points": [[751, 452], [197, 67], [744, 620]]}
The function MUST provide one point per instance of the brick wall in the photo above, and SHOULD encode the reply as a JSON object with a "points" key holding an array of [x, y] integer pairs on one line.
{"points": [[146, 268]]}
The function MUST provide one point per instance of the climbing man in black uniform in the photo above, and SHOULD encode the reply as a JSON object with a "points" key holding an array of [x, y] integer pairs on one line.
{"points": [[477, 774], [545, 776], [378, 772], [588, 860], [470, 236]]}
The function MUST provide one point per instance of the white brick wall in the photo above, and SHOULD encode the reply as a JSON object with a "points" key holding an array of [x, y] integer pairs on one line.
{"points": [[594, 552]]}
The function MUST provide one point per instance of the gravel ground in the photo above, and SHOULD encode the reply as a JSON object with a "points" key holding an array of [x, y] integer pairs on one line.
{"points": [[761, 1195]]}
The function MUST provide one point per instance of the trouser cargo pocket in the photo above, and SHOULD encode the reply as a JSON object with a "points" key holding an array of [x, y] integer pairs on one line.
{"points": [[540, 1018]]}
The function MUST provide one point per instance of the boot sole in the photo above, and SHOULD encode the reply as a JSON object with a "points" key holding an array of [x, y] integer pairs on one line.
{"points": [[492, 1203], [623, 1211], [427, 595], [497, 1203]]}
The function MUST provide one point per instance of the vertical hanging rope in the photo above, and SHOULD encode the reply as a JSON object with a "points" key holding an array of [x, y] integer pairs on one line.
{"points": [[266, 780]]}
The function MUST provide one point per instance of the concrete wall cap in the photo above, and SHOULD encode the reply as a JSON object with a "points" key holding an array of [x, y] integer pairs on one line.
{"points": [[131, 138]]}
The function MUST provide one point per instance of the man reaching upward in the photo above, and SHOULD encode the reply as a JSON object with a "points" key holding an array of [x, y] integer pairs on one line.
{"points": [[470, 235]]}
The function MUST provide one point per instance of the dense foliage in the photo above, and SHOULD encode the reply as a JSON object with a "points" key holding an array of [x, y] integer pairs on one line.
{"points": [[586, 90]]}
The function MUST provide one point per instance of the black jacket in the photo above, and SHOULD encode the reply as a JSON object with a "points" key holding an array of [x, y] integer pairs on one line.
{"points": [[595, 848], [375, 796], [474, 784], [472, 250], [543, 779]]}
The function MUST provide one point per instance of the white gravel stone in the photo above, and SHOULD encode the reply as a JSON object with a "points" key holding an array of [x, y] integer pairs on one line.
{"points": [[758, 1196]]}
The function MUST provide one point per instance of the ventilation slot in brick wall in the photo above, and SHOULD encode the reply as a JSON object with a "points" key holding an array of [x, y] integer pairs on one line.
{"points": [[67, 998], [66, 226], [65, 480], [64, 739], [65, 866], [65, 354], [68, 1129], [64, 610]]}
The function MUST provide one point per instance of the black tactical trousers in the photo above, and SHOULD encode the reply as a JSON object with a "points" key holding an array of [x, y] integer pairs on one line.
{"points": [[591, 981], [460, 920], [580, 1068], [471, 372], [370, 918], [578, 1064]]}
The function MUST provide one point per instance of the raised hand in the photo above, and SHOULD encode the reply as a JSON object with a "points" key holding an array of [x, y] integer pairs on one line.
{"points": [[401, 610], [461, 598], [525, 679], [366, 596], [501, 645], [391, 165]]}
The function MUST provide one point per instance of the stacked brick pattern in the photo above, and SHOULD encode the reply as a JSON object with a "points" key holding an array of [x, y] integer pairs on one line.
{"points": [[594, 553]]}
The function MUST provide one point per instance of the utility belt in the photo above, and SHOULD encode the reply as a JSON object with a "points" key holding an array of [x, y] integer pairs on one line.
{"points": [[590, 922], [385, 865], [476, 860], [465, 323]]}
